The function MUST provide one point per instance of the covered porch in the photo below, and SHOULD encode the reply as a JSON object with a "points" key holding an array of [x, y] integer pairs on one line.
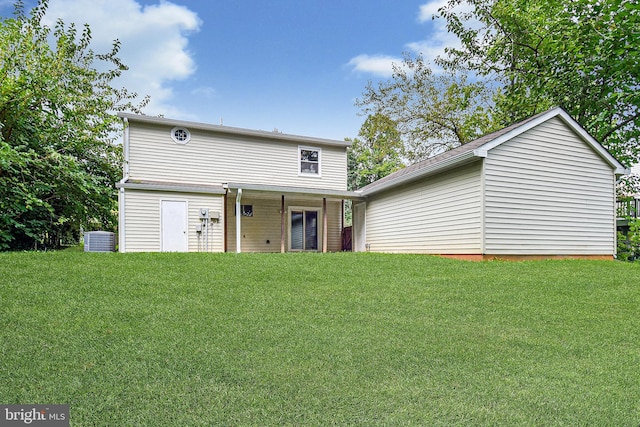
{"points": [[266, 218]]}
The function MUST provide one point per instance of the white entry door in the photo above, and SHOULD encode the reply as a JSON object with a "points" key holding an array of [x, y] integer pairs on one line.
{"points": [[174, 226]]}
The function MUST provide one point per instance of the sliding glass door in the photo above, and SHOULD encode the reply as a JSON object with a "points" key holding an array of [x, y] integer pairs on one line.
{"points": [[304, 230]]}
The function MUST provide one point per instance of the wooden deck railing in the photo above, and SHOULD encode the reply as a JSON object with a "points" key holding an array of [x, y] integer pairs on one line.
{"points": [[628, 208]]}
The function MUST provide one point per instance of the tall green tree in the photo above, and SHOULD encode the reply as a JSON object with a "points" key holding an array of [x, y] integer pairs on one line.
{"points": [[376, 153], [59, 158], [434, 112], [582, 55]]}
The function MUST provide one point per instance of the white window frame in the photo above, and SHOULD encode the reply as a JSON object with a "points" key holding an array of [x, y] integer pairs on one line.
{"points": [[181, 141], [313, 175]]}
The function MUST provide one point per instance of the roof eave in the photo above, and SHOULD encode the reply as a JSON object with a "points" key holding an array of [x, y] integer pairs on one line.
{"points": [[305, 191], [308, 140], [171, 187]]}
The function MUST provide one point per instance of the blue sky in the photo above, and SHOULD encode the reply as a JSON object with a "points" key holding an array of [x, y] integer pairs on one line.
{"points": [[292, 65]]}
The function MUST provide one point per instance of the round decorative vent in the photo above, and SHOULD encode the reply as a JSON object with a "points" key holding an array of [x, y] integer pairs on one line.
{"points": [[180, 135]]}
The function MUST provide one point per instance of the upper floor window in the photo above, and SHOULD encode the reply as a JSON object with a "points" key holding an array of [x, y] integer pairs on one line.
{"points": [[309, 161], [180, 135]]}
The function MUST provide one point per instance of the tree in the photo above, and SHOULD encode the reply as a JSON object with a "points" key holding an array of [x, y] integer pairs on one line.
{"points": [[376, 153], [433, 112], [582, 55], [58, 153]]}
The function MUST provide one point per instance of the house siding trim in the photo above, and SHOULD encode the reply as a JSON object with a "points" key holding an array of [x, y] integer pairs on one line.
{"points": [[483, 207]]}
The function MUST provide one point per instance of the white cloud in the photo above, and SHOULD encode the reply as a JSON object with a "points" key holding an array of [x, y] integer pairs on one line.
{"points": [[440, 38], [429, 9], [154, 42], [204, 91], [430, 48], [379, 65]]}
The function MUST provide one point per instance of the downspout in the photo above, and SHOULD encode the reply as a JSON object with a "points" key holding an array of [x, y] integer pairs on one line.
{"points": [[125, 148], [224, 218], [121, 193], [238, 221], [483, 207], [121, 239]]}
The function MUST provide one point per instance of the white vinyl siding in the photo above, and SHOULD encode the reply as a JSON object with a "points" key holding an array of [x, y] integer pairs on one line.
{"points": [[142, 222], [210, 158], [265, 224], [439, 214], [547, 192]]}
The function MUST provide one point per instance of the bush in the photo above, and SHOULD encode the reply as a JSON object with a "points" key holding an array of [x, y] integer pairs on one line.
{"points": [[629, 244]]}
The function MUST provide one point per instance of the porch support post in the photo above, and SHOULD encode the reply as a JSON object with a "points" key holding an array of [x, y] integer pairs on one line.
{"points": [[224, 219], [324, 225], [282, 222], [238, 221]]}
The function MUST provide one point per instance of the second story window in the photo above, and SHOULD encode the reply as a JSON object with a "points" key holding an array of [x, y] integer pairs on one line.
{"points": [[309, 161]]}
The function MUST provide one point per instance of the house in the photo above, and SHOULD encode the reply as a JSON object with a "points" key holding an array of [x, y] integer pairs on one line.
{"points": [[199, 187], [542, 187]]}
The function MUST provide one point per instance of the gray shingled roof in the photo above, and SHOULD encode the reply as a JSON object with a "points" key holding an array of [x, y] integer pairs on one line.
{"points": [[234, 130], [432, 162]]}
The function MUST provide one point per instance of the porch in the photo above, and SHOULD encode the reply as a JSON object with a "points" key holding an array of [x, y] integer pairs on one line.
{"points": [[626, 209], [264, 218]]}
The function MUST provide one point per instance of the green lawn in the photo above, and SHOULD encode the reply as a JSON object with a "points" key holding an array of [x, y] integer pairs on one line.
{"points": [[312, 339]]}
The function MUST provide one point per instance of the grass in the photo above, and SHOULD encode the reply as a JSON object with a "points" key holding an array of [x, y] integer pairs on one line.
{"points": [[311, 339]]}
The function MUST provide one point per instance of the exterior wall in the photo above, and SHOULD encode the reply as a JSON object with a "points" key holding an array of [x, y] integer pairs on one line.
{"points": [[142, 220], [265, 225], [440, 214], [548, 192], [210, 158]]}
